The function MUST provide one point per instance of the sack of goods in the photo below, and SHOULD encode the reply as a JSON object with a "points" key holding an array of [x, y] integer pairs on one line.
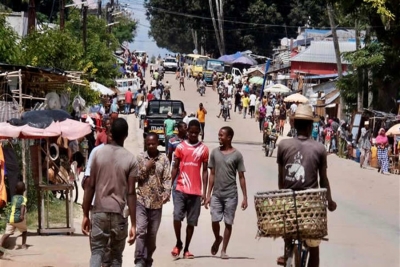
{"points": [[292, 214]]}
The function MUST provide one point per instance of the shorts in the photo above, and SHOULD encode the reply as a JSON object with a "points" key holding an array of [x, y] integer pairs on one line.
{"points": [[21, 226], [189, 205], [223, 208]]}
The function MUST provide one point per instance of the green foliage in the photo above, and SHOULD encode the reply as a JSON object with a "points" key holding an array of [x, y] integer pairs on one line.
{"points": [[125, 30], [263, 23], [371, 56], [52, 48], [9, 49]]}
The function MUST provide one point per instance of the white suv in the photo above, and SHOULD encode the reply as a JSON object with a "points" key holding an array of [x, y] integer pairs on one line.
{"points": [[170, 64]]}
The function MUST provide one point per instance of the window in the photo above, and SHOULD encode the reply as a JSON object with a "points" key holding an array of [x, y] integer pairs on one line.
{"points": [[156, 107], [170, 60], [200, 62], [215, 65]]}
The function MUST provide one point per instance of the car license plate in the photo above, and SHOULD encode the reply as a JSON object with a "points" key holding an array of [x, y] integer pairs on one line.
{"points": [[160, 136]]}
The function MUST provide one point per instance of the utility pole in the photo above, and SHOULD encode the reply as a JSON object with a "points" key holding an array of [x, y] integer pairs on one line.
{"points": [[31, 16], [84, 28], [337, 53], [62, 14], [99, 9]]}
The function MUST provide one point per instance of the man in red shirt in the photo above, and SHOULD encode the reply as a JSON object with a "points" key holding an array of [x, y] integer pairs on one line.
{"points": [[191, 158], [102, 137], [128, 101], [150, 96]]}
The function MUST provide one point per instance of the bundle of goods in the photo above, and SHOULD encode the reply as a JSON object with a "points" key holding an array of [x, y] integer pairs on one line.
{"points": [[292, 214]]}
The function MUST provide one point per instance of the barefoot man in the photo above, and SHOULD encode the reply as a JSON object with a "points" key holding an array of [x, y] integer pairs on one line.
{"points": [[225, 163]]}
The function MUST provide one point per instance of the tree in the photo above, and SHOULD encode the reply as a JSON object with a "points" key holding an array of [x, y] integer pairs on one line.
{"points": [[9, 49], [125, 30]]}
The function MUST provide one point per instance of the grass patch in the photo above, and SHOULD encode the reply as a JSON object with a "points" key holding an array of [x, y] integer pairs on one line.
{"points": [[57, 215]]}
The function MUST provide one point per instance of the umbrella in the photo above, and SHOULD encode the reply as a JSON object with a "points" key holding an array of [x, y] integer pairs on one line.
{"points": [[68, 128], [394, 130], [256, 80], [244, 60], [227, 58], [277, 88], [101, 88], [296, 98]]}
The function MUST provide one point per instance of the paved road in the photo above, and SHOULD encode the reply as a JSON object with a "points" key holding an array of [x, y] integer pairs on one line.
{"points": [[364, 231]]}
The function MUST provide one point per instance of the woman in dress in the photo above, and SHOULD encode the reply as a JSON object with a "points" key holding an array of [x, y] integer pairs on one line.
{"points": [[382, 143]]}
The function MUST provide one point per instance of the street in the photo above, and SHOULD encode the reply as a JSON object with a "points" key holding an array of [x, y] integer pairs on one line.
{"points": [[363, 231]]}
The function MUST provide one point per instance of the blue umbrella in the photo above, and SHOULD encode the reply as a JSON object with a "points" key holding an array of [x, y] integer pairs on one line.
{"points": [[245, 60], [227, 58]]}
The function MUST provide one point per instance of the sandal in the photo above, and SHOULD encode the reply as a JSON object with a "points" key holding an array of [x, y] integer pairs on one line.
{"points": [[176, 251], [187, 255], [224, 256], [215, 246], [281, 261]]}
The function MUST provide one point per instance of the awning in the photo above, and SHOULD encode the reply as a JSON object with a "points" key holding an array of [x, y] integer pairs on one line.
{"points": [[332, 98]]}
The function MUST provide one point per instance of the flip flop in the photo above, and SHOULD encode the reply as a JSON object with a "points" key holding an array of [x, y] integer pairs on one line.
{"points": [[187, 255], [215, 246], [176, 252], [224, 256]]}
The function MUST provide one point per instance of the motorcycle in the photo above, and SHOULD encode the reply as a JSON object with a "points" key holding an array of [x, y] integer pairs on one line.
{"points": [[225, 113], [202, 90], [167, 95], [270, 137]]}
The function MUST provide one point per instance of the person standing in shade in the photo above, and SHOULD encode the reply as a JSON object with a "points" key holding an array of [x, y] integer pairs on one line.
{"points": [[201, 116], [191, 159], [173, 143], [365, 145], [153, 191], [225, 163], [112, 184], [169, 126]]}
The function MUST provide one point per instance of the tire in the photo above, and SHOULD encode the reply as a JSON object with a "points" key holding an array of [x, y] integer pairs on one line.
{"points": [[271, 149], [266, 150]]}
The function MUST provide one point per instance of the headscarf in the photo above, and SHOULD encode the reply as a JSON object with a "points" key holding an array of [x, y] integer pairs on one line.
{"points": [[381, 139]]}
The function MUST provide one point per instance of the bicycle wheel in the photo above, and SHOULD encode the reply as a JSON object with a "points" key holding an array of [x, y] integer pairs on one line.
{"points": [[76, 191]]}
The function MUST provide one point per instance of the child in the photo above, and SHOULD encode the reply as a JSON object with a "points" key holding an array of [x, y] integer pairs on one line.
{"points": [[16, 219]]}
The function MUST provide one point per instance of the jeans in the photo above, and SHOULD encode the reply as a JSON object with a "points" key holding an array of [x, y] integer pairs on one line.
{"points": [[333, 143], [107, 228], [147, 224], [127, 108], [244, 112]]}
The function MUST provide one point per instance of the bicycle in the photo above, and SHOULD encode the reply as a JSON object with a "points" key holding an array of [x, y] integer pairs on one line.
{"points": [[296, 252]]}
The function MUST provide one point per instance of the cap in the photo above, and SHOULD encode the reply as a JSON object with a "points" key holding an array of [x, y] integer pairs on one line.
{"points": [[366, 123], [304, 112]]}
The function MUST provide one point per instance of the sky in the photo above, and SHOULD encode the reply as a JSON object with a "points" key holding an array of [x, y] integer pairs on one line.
{"points": [[142, 40]]}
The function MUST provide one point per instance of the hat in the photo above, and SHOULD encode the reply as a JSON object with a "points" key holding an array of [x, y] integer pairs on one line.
{"points": [[304, 112], [277, 105], [366, 123], [169, 114]]}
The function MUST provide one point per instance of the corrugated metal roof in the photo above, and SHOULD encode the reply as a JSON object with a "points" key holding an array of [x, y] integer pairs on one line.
{"points": [[332, 98], [323, 52]]}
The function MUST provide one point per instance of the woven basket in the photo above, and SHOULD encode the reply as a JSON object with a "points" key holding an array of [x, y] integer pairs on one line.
{"points": [[276, 213]]}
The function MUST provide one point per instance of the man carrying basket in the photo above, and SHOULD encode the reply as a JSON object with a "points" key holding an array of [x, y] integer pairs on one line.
{"points": [[300, 161]]}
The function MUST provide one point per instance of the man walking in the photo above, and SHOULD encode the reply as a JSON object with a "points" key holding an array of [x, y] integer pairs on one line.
{"points": [[191, 158], [225, 163], [173, 143], [201, 116], [128, 101], [311, 158], [365, 145], [252, 107], [169, 126], [112, 182], [153, 191]]}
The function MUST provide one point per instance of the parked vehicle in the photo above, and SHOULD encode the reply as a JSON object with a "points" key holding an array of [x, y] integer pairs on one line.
{"points": [[198, 65], [156, 114], [211, 66], [170, 64]]}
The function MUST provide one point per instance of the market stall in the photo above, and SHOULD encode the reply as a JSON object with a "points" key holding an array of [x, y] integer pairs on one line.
{"points": [[44, 127]]}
